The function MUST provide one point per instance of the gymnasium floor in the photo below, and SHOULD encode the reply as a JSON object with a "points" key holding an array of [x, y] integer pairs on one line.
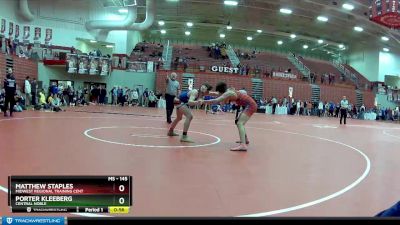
{"points": [[296, 166]]}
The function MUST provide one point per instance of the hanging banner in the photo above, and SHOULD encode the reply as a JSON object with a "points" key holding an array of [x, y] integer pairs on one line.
{"points": [[3, 26], [16, 31], [83, 64], [105, 65], [150, 66], [49, 35], [291, 92], [72, 60], [27, 32], [94, 65], [11, 29], [38, 33]]}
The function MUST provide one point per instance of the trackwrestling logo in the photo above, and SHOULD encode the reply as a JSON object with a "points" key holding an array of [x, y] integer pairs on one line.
{"points": [[33, 220]]}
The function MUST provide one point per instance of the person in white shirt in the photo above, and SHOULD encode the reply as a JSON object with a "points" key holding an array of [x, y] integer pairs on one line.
{"points": [[320, 108], [27, 91], [344, 106], [135, 97]]}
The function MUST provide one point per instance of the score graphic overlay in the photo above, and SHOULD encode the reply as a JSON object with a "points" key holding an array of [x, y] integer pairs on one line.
{"points": [[82, 194]]}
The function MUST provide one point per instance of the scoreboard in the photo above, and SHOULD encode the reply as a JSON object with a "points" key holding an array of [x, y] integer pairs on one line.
{"points": [[70, 194]]}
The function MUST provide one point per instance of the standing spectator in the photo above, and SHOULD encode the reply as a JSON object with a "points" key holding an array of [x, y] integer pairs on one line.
{"points": [[70, 93], [34, 91], [114, 93], [10, 90], [135, 97], [320, 108], [171, 92], [27, 91], [146, 98], [102, 96], [344, 106], [274, 103]]}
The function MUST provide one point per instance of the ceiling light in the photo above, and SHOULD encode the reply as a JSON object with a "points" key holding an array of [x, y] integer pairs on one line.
{"points": [[285, 11], [222, 35], [123, 10], [348, 6], [187, 33], [161, 23], [259, 31], [359, 29], [229, 27], [305, 46], [320, 41], [163, 31], [93, 41], [109, 46], [230, 2], [293, 36], [322, 18], [189, 24], [249, 38], [386, 49], [279, 42], [384, 38]]}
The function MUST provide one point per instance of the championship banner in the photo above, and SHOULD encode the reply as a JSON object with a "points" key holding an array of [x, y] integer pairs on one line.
{"points": [[38, 33], [72, 61], [3, 26], [27, 32], [49, 35], [11, 29], [16, 31], [105, 65], [83, 64], [291, 92], [150, 66], [284, 75], [94, 65], [140, 67]]}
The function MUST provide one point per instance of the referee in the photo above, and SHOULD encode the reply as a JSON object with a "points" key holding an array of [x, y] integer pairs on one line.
{"points": [[10, 88], [171, 92], [344, 105]]}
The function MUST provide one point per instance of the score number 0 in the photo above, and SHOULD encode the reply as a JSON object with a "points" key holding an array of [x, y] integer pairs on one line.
{"points": [[121, 188]]}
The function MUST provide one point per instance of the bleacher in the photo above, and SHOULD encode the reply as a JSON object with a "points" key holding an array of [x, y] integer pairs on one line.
{"points": [[363, 82], [145, 51]]}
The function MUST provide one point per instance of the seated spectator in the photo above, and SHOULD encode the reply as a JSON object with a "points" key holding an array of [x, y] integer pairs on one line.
{"points": [[54, 103], [152, 99], [2, 99]]}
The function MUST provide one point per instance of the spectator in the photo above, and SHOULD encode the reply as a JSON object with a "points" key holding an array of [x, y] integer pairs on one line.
{"points": [[34, 86], [27, 91], [152, 99], [135, 97], [146, 98], [102, 95], [274, 104]]}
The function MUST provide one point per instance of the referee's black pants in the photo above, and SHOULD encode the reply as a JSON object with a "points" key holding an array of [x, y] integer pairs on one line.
{"points": [[9, 99], [169, 99], [343, 114]]}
